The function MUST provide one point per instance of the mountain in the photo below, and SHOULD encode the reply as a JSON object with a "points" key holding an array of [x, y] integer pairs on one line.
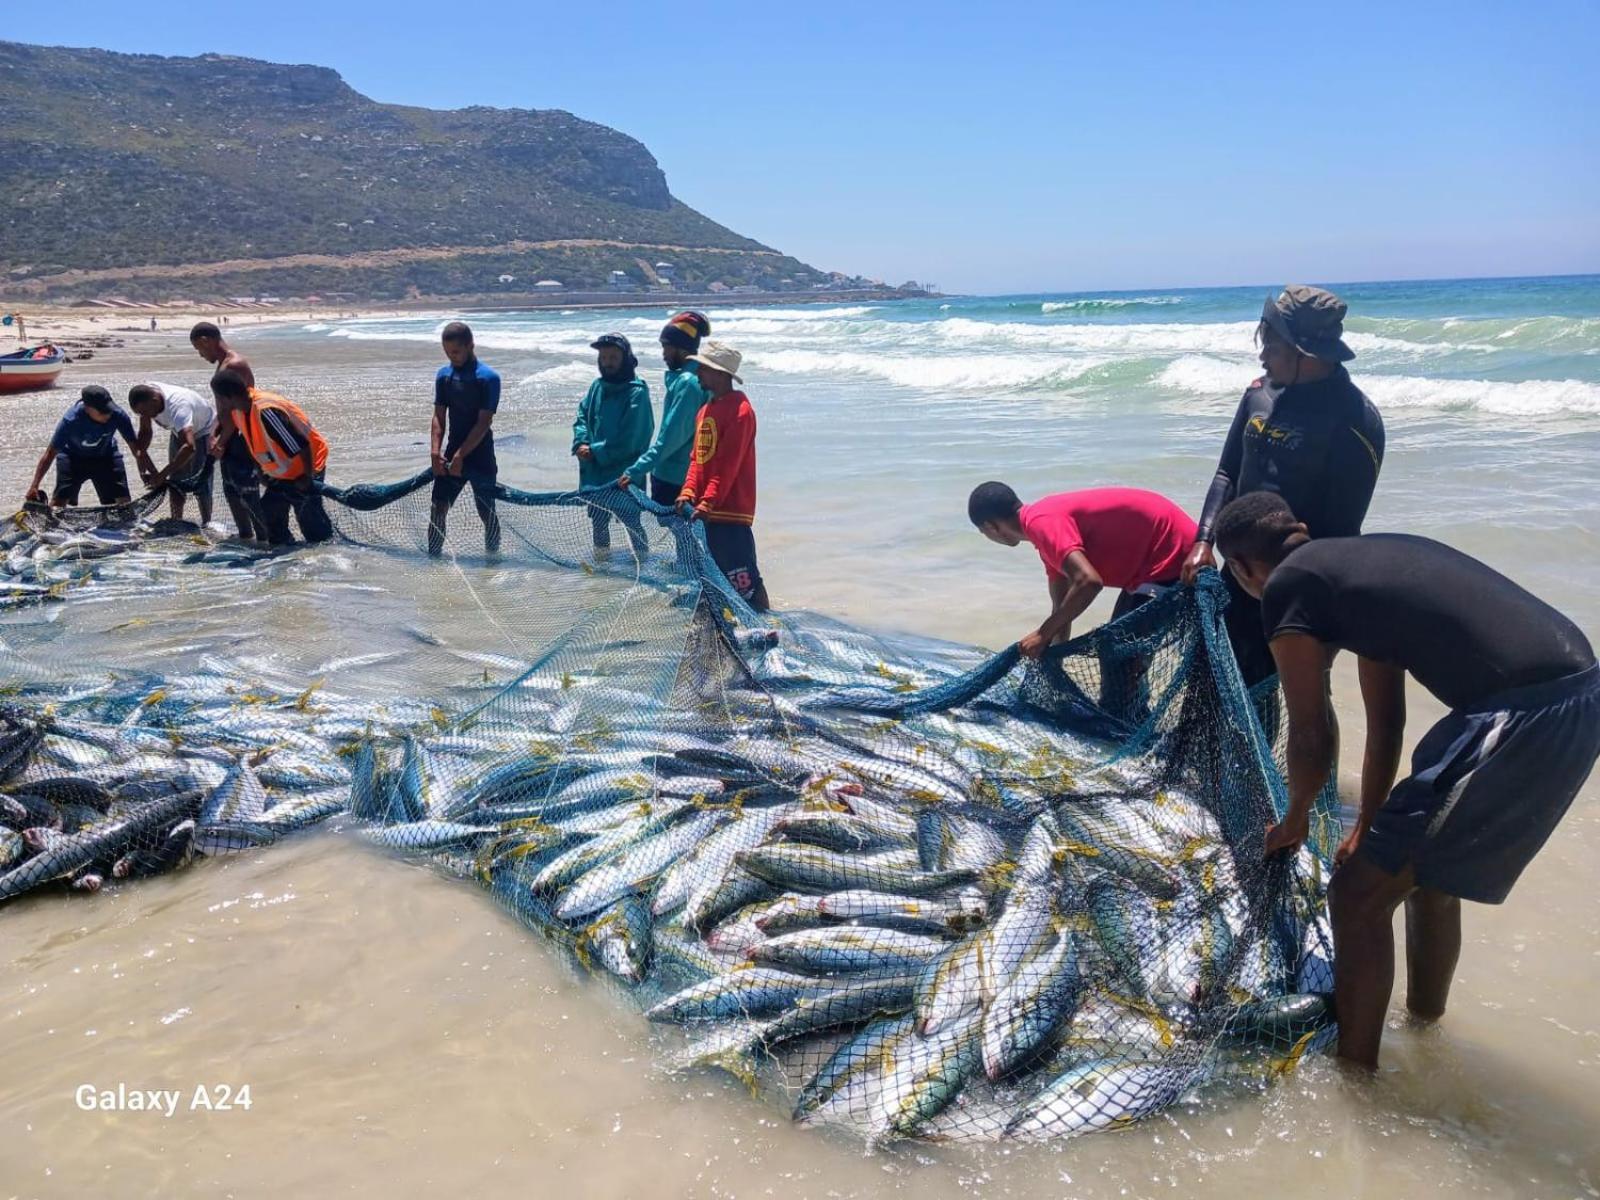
{"points": [[154, 177]]}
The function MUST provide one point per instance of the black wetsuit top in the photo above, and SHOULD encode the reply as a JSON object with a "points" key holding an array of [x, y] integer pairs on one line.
{"points": [[1462, 628], [1318, 445]]}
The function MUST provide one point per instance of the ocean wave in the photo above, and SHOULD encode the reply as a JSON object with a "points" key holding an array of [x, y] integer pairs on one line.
{"points": [[931, 372], [1107, 304], [1205, 376], [563, 373]]}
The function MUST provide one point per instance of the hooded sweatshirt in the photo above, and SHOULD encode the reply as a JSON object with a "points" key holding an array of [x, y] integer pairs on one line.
{"points": [[668, 456], [615, 422]]}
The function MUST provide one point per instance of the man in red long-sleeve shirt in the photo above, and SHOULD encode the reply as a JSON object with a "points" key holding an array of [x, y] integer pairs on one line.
{"points": [[721, 487]]}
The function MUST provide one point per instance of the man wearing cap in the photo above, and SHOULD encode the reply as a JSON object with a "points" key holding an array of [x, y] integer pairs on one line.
{"points": [[612, 430], [1304, 431], [190, 422], [721, 486], [667, 459], [84, 449]]}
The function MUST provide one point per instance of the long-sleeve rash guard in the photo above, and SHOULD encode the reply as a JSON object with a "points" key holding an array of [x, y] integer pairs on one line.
{"points": [[1318, 445]]}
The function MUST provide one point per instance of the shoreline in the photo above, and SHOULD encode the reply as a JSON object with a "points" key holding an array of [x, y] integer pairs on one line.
{"points": [[82, 329]]}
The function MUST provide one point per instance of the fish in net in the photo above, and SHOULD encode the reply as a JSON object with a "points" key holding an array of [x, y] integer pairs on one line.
{"points": [[900, 886]]}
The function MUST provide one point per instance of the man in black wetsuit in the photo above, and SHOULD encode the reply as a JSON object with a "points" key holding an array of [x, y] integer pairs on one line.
{"points": [[1488, 783], [1304, 431]]}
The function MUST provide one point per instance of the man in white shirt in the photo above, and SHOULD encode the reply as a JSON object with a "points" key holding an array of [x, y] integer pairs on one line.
{"points": [[191, 421]]}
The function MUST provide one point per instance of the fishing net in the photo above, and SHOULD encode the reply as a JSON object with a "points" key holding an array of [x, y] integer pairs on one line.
{"points": [[899, 886]]}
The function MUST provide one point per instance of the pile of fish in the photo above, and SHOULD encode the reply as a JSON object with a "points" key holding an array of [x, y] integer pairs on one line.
{"points": [[963, 923], [998, 939]]}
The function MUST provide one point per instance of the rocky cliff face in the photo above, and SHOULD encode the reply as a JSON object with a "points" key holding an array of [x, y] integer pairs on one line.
{"points": [[117, 160]]}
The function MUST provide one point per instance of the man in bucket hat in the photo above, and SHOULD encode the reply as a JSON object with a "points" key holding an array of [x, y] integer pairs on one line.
{"points": [[1303, 430], [721, 487], [667, 459]]}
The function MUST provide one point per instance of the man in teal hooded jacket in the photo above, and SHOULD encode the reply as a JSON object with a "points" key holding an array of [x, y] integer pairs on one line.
{"points": [[667, 459], [613, 428]]}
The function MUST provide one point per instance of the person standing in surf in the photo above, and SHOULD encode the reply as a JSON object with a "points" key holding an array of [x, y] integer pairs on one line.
{"points": [[613, 429], [289, 451], [466, 394], [667, 459], [84, 449], [721, 486], [241, 482], [1489, 782], [1126, 538], [191, 423], [1303, 430]]}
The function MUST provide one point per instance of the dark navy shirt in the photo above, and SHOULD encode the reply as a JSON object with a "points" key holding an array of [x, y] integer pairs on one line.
{"points": [[1318, 445], [80, 436], [463, 394]]}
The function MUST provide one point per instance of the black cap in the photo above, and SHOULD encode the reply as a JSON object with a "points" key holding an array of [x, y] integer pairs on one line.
{"points": [[96, 397], [612, 339]]}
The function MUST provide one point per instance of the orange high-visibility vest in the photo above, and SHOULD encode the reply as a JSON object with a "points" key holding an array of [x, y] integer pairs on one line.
{"points": [[269, 454]]}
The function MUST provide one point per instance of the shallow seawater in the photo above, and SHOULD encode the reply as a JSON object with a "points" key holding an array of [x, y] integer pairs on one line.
{"points": [[400, 1033]]}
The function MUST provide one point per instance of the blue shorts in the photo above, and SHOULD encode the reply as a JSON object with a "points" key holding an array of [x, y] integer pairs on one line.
{"points": [[1488, 785], [197, 478]]}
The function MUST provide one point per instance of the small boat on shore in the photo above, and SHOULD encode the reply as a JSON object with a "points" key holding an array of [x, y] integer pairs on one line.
{"points": [[32, 368]]}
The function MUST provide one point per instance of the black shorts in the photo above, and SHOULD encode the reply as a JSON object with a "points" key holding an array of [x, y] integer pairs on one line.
{"points": [[1488, 785], [1138, 597], [198, 478], [663, 492], [447, 488], [109, 476], [733, 549], [239, 470]]}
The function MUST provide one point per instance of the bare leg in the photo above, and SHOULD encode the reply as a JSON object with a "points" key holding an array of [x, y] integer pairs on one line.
{"points": [[1433, 946], [1362, 899], [204, 503], [436, 521], [176, 498]]}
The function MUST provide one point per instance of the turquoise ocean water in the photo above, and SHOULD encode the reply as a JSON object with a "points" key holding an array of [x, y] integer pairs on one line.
{"points": [[876, 419]]}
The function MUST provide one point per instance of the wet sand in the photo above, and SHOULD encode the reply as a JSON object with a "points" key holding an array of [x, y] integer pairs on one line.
{"points": [[402, 1035]]}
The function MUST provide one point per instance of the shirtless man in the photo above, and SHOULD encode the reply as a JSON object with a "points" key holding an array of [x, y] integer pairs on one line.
{"points": [[241, 481]]}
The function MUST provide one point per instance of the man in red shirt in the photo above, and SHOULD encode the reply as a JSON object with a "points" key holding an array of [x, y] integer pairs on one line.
{"points": [[721, 486], [1117, 537]]}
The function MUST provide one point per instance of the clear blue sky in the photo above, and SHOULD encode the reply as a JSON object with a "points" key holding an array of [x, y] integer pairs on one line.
{"points": [[993, 147]]}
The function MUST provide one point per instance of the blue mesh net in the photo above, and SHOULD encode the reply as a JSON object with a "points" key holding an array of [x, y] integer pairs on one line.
{"points": [[900, 886]]}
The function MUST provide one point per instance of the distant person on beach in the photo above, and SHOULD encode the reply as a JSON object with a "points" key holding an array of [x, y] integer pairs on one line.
{"points": [[465, 396], [667, 459], [613, 429], [289, 451], [1304, 431], [191, 423], [1488, 783], [1125, 538], [721, 486], [241, 482], [85, 450]]}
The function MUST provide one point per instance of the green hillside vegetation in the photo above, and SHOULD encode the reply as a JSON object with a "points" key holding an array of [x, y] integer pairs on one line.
{"points": [[139, 162]]}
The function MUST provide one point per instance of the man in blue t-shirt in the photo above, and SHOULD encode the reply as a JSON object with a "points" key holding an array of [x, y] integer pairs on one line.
{"points": [[84, 449], [465, 396]]}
